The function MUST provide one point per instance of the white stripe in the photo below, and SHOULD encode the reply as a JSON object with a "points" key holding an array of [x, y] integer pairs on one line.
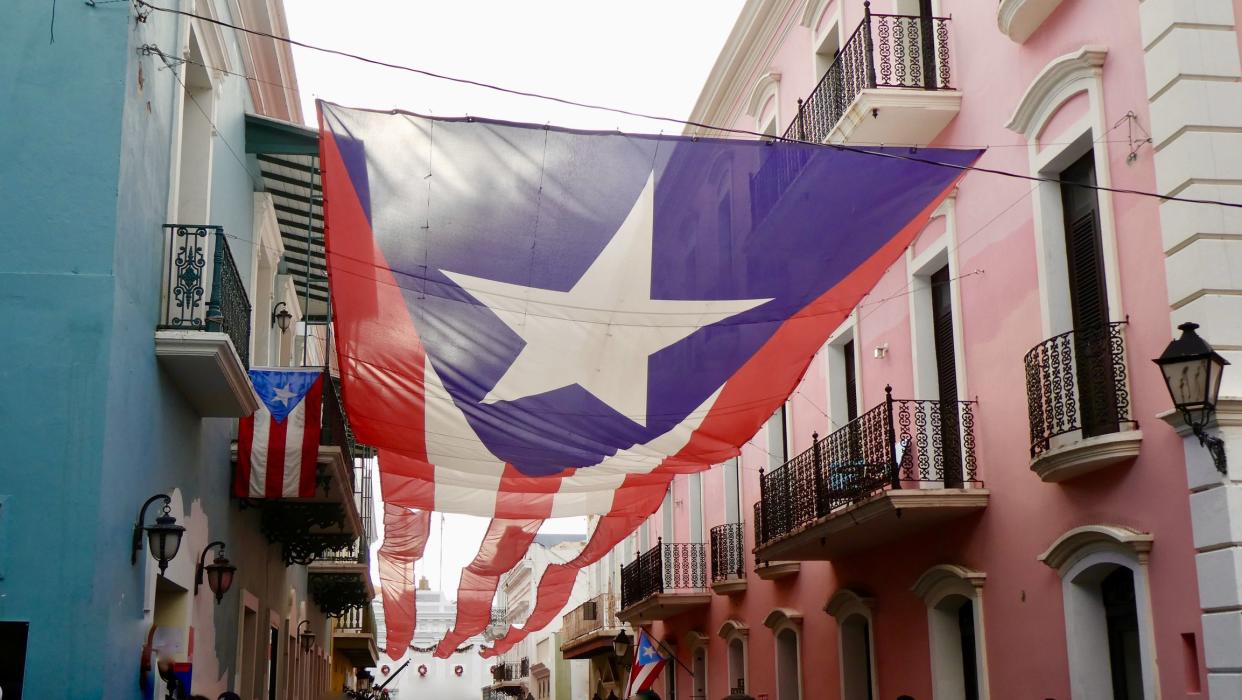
{"points": [[649, 671], [258, 452], [295, 427]]}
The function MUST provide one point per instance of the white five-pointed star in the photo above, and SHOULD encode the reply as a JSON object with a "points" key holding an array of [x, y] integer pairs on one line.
{"points": [[600, 333], [283, 394]]}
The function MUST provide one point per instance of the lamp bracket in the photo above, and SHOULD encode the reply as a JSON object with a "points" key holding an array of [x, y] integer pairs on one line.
{"points": [[142, 518], [1215, 447]]}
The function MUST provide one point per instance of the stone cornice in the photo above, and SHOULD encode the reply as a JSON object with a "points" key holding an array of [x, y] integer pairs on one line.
{"points": [[752, 35]]}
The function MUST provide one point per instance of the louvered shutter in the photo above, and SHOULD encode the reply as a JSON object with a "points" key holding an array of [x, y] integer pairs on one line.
{"points": [[946, 377]]}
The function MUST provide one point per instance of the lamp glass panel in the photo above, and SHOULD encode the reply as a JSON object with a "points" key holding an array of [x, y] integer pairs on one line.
{"points": [[1187, 380], [164, 542]]}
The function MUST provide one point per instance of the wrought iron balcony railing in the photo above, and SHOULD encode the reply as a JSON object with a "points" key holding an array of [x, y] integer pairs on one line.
{"points": [[203, 297], [898, 444], [664, 567], [511, 671], [728, 552], [1075, 382], [358, 551], [885, 51], [596, 614]]}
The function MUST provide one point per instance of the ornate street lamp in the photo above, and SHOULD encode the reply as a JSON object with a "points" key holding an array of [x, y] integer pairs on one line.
{"points": [[219, 572], [1192, 372], [621, 644], [163, 538], [307, 638], [281, 317]]}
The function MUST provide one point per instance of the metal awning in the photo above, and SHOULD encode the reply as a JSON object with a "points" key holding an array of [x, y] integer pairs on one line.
{"points": [[288, 156]]}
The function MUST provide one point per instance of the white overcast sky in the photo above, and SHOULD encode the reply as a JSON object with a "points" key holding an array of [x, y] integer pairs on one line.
{"points": [[649, 56]]}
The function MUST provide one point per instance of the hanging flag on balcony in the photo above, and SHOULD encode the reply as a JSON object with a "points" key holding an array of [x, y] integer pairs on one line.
{"points": [[278, 446], [648, 662], [587, 310]]}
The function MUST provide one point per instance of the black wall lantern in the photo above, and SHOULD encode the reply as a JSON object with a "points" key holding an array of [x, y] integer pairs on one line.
{"points": [[621, 644], [219, 572], [1192, 372], [281, 316], [163, 538], [306, 638]]}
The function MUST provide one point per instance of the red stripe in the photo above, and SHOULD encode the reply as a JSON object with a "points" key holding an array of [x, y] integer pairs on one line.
{"points": [[274, 462], [310, 438], [245, 441], [385, 404]]}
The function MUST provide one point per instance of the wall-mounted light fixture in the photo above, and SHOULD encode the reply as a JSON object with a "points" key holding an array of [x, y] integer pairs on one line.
{"points": [[281, 317], [219, 572], [163, 538], [307, 638], [1192, 372]]}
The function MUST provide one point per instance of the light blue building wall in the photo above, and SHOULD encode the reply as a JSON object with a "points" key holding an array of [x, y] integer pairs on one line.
{"points": [[91, 423]]}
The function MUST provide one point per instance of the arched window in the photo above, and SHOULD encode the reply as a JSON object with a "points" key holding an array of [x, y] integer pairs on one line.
{"points": [[786, 625], [1109, 634], [954, 598], [735, 635], [764, 104], [856, 644]]}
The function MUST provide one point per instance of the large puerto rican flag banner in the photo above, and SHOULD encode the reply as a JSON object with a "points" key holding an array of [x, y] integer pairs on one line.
{"points": [[532, 321], [278, 446]]}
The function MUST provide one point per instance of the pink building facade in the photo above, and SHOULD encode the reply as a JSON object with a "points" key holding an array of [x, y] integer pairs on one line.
{"points": [[1014, 520]]}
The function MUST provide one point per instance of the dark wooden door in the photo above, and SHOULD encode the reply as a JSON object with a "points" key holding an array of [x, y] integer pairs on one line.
{"points": [[1084, 261]]}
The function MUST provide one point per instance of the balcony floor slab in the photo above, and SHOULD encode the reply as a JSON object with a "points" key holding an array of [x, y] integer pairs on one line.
{"points": [[777, 570], [896, 117], [729, 586], [591, 644], [887, 516], [662, 606], [1087, 455], [208, 371]]}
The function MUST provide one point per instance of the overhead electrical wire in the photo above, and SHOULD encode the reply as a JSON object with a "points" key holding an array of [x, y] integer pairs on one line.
{"points": [[684, 122]]}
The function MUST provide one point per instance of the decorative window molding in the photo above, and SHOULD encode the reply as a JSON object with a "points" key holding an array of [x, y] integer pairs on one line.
{"points": [[919, 269], [1057, 82], [940, 587], [811, 11], [781, 618], [733, 628], [1060, 81], [1083, 557], [766, 87], [693, 639], [1070, 548], [846, 602]]}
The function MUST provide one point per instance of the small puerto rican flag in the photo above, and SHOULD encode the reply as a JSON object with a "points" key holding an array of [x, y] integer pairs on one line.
{"points": [[648, 663], [278, 446]]}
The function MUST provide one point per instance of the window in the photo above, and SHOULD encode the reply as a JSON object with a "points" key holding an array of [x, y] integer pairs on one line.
{"points": [[954, 595], [734, 633], [1109, 635], [666, 516], [856, 649], [786, 626], [193, 169], [694, 485], [778, 437], [732, 491], [700, 673], [273, 659]]}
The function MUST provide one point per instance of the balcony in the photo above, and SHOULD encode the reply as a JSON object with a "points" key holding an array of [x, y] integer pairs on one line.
{"points": [[498, 625], [890, 84], [890, 473], [339, 579], [588, 630], [1079, 403], [663, 582], [508, 679], [728, 559], [202, 339], [353, 634]]}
